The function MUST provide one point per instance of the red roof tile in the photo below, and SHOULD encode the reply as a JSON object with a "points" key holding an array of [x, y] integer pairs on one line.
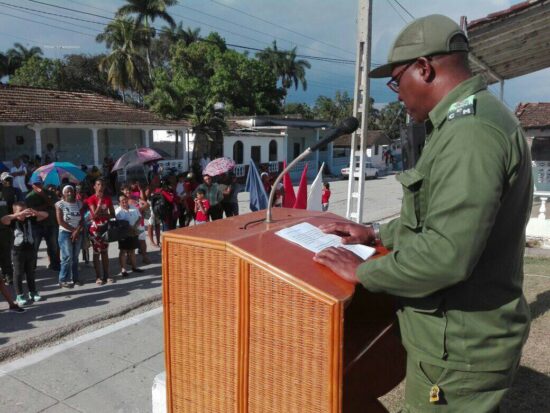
{"points": [[33, 105], [534, 115]]}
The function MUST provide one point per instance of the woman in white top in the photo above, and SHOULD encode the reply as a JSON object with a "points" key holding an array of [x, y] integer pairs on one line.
{"points": [[69, 217], [128, 245]]}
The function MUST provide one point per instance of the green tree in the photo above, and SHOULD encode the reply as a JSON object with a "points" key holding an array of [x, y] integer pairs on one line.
{"points": [[285, 65], [203, 73], [81, 72], [15, 57], [392, 118], [39, 72], [341, 107], [302, 109], [123, 64], [145, 12]]}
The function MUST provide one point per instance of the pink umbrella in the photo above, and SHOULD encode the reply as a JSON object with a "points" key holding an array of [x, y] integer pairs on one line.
{"points": [[137, 157], [219, 166]]}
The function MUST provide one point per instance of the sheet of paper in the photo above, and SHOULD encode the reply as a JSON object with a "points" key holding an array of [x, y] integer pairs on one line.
{"points": [[312, 238]]}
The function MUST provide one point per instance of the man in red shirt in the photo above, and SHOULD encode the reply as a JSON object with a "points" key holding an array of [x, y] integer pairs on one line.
{"points": [[101, 210]]}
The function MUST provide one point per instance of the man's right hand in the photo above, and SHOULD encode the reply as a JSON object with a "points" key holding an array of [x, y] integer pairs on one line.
{"points": [[351, 233]]}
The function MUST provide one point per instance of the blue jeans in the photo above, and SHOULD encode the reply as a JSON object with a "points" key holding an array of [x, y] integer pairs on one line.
{"points": [[69, 257], [49, 233]]}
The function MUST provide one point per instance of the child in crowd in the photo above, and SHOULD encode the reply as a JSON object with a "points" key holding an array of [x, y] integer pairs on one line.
{"points": [[128, 245], [325, 196], [23, 254], [201, 207]]}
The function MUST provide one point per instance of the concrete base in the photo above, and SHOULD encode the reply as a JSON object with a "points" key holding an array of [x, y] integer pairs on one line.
{"points": [[539, 229], [159, 393]]}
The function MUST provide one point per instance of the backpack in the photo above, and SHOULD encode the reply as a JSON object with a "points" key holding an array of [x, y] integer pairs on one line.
{"points": [[160, 206]]}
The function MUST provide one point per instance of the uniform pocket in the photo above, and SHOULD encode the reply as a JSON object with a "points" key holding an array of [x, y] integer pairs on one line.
{"points": [[411, 209]]}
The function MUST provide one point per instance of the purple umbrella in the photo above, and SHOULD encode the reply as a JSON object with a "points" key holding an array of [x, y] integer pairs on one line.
{"points": [[137, 157]]}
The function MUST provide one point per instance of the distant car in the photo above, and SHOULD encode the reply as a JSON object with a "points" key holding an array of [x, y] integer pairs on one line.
{"points": [[370, 171]]}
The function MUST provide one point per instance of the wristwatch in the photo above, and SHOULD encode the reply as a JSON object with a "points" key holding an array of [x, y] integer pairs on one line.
{"points": [[376, 229]]}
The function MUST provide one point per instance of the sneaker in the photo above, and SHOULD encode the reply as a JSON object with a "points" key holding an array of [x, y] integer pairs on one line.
{"points": [[138, 270], [16, 309], [20, 300], [111, 281], [35, 297], [124, 274], [99, 281], [65, 285], [79, 283]]}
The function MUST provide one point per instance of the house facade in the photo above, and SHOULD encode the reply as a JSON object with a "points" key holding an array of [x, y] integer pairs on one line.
{"points": [[84, 127], [269, 141]]}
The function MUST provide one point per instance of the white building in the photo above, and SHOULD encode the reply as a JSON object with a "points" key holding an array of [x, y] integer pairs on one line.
{"points": [[84, 127]]}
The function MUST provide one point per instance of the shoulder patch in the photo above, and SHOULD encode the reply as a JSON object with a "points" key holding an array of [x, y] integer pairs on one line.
{"points": [[461, 108]]}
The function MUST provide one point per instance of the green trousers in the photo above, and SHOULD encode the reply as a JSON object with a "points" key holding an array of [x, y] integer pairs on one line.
{"points": [[456, 391]]}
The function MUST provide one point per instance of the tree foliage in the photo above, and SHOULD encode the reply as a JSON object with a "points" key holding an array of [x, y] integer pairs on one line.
{"points": [[392, 118], [39, 72], [201, 74]]}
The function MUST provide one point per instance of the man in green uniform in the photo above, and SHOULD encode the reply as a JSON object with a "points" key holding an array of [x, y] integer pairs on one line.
{"points": [[456, 261]]}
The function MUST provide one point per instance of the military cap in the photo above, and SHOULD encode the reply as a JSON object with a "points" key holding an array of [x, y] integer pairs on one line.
{"points": [[426, 36]]}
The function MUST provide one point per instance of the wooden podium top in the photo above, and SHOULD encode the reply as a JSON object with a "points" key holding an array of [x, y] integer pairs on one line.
{"points": [[259, 243]]}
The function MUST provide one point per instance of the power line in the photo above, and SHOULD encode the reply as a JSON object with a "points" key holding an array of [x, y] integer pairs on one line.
{"points": [[319, 58], [46, 24], [280, 27], [392, 6], [248, 28], [406, 11], [17, 8]]}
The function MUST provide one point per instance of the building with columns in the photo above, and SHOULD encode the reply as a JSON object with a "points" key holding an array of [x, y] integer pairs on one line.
{"points": [[84, 127]]}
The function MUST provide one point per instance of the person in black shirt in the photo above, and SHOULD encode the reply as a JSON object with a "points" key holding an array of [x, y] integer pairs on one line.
{"points": [[23, 254]]}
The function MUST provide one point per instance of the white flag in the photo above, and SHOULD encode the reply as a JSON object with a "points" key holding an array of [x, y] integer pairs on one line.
{"points": [[315, 191]]}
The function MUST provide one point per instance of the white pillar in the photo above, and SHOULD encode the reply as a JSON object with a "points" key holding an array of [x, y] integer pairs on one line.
{"points": [[146, 137], [38, 141], [95, 146]]}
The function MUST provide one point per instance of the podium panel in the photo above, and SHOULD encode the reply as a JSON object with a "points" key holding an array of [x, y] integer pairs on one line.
{"points": [[253, 324]]}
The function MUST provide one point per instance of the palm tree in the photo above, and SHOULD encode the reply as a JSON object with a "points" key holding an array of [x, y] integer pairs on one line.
{"points": [[294, 71], [16, 57], [191, 35], [145, 11], [285, 66], [123, 64]]}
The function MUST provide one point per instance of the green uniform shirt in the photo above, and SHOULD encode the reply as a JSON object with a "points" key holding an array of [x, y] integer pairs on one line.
{"points": [[457, 248], [34, 200]]}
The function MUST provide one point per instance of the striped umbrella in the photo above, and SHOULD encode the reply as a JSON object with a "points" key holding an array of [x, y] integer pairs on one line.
{"points": [[54, 173]]}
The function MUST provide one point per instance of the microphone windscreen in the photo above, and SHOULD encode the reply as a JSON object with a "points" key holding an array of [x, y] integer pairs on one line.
{"points": [[349, 125]]}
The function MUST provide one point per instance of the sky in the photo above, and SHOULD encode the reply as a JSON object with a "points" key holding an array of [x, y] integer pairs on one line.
{"points": [[318, 28]]}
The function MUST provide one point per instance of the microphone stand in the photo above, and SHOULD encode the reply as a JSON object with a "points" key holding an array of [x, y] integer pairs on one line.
{"points": [[268, 217]]}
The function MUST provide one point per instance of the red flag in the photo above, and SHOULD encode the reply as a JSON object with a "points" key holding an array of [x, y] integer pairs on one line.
{"points": [[289, 198], [301, 196]]}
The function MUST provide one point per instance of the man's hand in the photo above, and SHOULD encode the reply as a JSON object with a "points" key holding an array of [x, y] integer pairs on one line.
{"points": [[351, 233], [341, 261]]}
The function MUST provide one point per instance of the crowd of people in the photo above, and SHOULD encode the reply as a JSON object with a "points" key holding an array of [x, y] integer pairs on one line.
{"points": [[72, 217]]}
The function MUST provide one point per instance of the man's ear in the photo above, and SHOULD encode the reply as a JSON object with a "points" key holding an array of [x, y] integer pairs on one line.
{"points": [[426, 70]]}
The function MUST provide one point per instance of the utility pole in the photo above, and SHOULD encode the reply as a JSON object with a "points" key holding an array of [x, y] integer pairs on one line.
{"points": [[361, 99]]}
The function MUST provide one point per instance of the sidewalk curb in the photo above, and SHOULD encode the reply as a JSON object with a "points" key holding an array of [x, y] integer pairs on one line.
{"points": [[18, 349]]}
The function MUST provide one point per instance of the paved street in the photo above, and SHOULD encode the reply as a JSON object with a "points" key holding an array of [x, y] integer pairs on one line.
{"points": [[54, 361], [98, 348]]}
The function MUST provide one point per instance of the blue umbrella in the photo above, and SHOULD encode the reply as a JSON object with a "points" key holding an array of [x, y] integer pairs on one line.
{"points": [[55, 172]]}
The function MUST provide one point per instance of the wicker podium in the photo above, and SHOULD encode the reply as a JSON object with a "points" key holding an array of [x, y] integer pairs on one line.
{"points": [[253, 324]]}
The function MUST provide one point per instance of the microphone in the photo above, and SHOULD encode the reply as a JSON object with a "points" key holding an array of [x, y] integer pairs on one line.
{"points": [[347, 126]]}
